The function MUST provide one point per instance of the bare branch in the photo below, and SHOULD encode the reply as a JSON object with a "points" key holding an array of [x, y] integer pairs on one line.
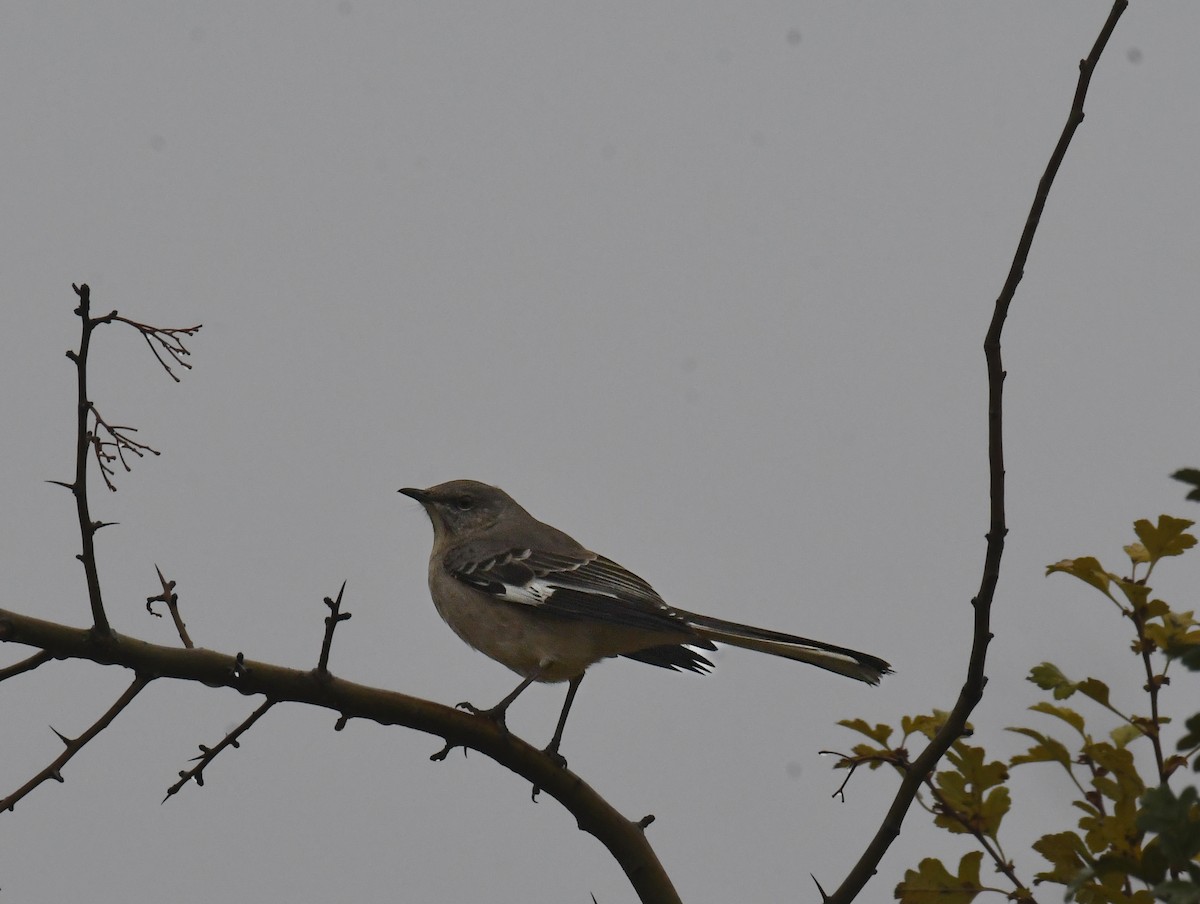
{"points": [[169, 339], [171, 598], [331, 622], [73, 746], [83, 441], [972, 689], [25, 665], [624, 839], [114, 448], [208, 754]]}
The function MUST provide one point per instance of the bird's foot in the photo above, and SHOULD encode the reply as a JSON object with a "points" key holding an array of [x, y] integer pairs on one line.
{"points": [[495, 714], [552, 752]]}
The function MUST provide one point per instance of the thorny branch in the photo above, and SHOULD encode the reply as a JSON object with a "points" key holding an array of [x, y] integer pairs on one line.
{"points": [[74, 745], [331, 622], [972, 689], [208, 754], [624, 838], [171, 598]]}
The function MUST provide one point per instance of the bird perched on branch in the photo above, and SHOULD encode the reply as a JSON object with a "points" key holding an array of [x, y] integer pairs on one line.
{"points": [[535, 600]]}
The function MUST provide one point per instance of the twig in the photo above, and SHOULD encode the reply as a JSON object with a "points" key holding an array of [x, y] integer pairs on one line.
{"points": [[25, 665], [331, 622], [208, 754], [972, 689], [74, 745], [171, 598], [170, 339], [120, 442]]}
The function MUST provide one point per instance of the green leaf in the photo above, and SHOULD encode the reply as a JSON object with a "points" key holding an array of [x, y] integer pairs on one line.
{"points": [[1136, 592], [1067, 854], [963, 791], [878, 733], [1068, 715], [1046, 750], [1087, 569], [1048, 677], [1167, 538], [1175, 820], [1192, 738], [1179, 891], [927, 725], [1124, 733], [1095, 689], [932, 883], [995, 805], [1189, 476]]}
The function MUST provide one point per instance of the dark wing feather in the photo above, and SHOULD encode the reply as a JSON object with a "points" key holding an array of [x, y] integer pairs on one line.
{"points": [[579, 585]]}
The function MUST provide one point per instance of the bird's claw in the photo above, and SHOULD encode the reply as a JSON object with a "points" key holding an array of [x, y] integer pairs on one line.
{"points": [[495, 714]]}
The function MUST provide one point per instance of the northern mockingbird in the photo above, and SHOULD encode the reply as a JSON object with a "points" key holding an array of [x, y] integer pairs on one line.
{"points": [[533, 599]]}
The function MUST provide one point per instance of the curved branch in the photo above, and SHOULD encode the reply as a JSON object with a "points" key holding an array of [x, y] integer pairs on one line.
{"points": [[624, 838], [972, 689]]}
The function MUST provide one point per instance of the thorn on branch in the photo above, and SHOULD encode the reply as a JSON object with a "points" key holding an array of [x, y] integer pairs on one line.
{"points": [[341, 722], [163, 340], [207, 754], [331, 622], [645, 821], [824, 897], [239, 669], [171, 598], [74, 745]]}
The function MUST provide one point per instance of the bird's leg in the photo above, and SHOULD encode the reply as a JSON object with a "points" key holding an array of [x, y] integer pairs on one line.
{"points": [[552, 748], [496, 713]]}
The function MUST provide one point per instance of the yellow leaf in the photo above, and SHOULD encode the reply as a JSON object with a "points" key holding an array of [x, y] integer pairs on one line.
{"points": [[1167, 538], [1087, 569]]}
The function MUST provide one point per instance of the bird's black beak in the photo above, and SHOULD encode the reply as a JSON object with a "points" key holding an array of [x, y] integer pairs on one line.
{"points": [[412, 492]]}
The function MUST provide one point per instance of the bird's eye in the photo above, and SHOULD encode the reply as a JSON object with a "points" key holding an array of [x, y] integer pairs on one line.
{"points": [[464, 503]]}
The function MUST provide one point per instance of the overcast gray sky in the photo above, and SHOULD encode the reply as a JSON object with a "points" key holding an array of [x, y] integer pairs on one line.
{"points": [[704, 284]]}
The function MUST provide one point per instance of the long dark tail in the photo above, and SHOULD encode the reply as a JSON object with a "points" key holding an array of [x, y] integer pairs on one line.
{"points": [[862, 666]]}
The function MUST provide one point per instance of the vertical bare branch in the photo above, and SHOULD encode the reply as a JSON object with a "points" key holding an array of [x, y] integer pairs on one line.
{"points": [[87, 528], [972, 689]]}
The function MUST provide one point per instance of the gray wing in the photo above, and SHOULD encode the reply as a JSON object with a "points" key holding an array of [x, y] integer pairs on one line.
{"points": [[577, 584]]}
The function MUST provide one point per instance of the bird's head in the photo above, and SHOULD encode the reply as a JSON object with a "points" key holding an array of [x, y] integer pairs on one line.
{"points": [[460, 507]]}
